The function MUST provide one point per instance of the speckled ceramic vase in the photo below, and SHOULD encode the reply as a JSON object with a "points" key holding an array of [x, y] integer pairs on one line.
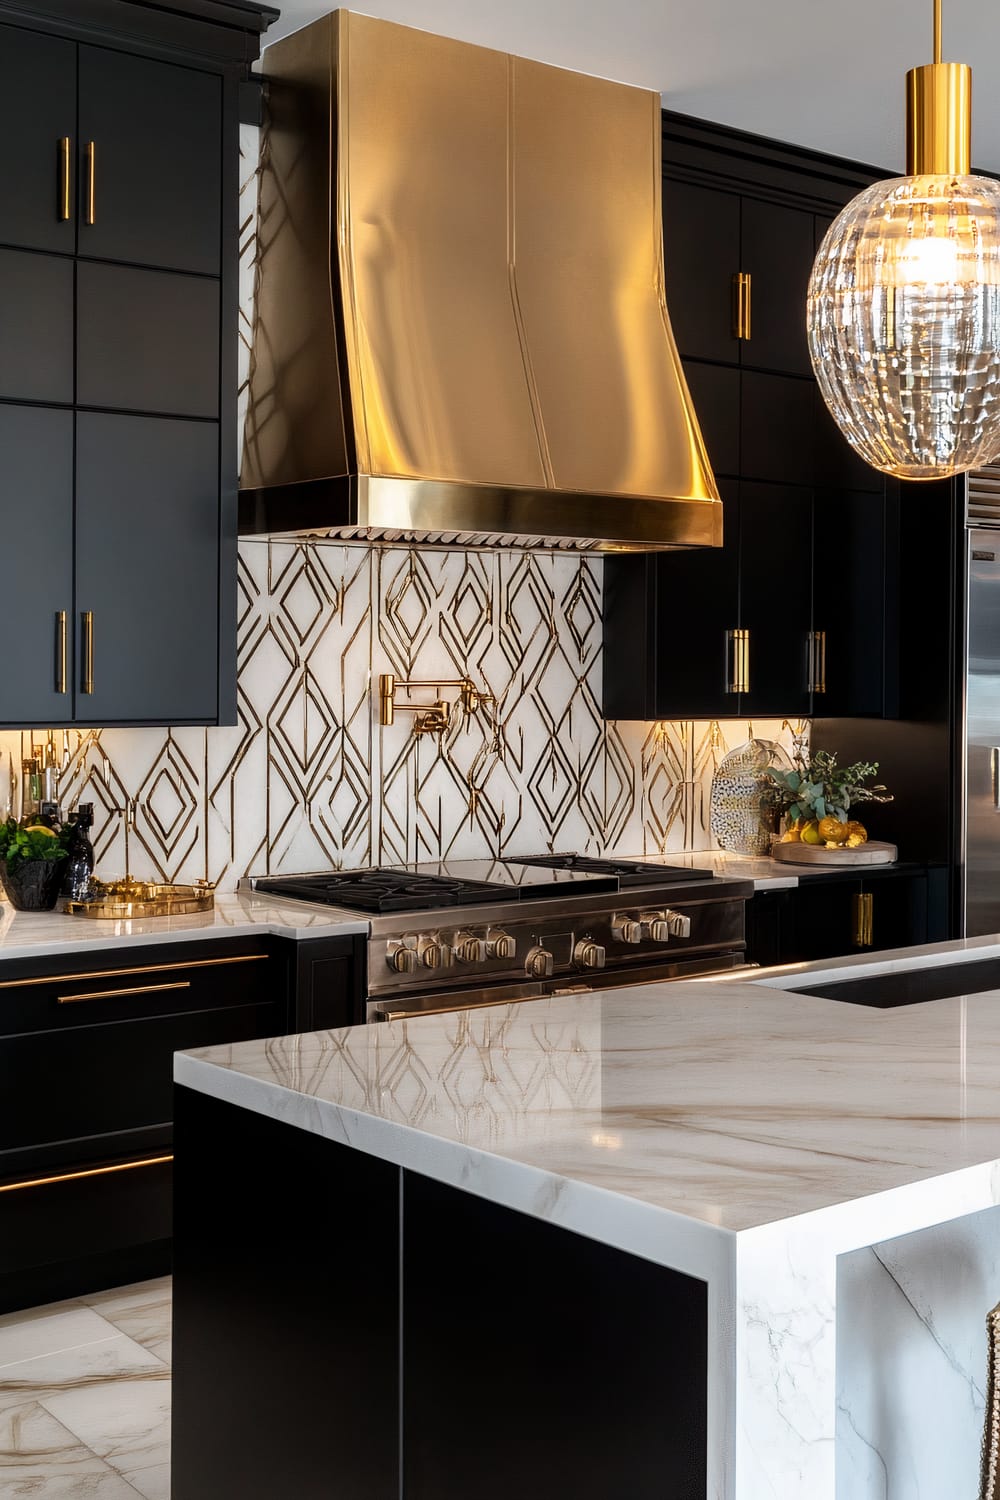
{"points": [[33, 884]]}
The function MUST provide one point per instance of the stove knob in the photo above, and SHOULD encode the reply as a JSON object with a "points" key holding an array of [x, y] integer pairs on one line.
{"points": [[626, 930], [657, 927], [538, 964], [590, 955], [434, 954], [680, 926], [401, 960], [469, 949], [501, 945]]}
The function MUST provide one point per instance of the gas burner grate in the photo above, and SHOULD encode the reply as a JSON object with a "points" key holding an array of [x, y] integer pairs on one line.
{"points": [[386, 890], [628, 871]]}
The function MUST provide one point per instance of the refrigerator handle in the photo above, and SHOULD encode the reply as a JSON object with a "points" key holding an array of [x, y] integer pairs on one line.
{"points": [[995, 774]]}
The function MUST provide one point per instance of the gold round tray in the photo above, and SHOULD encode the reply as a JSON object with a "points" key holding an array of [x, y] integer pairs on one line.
{"points": [[124, 899]]}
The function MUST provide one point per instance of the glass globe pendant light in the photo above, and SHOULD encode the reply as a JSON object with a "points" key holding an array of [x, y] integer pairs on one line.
{"points": [[903, 307]]}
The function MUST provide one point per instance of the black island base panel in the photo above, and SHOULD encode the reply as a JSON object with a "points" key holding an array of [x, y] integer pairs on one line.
{"points": [[345, 1330]]}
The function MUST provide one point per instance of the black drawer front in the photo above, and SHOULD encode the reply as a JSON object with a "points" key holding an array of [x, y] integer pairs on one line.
{"points": [[98, 1081], [136, 988], [72, 1217]]}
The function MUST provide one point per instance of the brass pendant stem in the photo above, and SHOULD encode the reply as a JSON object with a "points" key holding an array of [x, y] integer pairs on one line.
{"points": [[937, 31], [939, 119]]}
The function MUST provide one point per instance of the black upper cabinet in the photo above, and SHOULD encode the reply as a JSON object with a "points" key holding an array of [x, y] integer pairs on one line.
{"points": [[710, 236], [147, 558], [701, 253], [150, 162], [36, 327], [38, 129], [776, 252], [37, 490], [118, 297], [776, 598], [147, 340], [794, 614]]}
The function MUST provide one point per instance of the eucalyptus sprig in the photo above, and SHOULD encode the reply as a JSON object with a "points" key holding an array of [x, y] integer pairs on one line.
{"points": [[819, 788]]}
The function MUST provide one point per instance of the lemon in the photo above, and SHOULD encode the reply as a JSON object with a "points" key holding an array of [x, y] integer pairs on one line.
{"points": [[40, 828], [810, 833], [857, 832], [832, 830], [792, 834]]}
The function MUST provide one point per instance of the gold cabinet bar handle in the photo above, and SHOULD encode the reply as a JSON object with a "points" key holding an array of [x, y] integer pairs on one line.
{"points": [[61, 670], [196, 963], [822, 662], [136, 989], [817, 661], [90, 211], [741, 305], [863, 919], [65, 179], [737, 661], [87, 671], [732, 681], [120, 1166]]}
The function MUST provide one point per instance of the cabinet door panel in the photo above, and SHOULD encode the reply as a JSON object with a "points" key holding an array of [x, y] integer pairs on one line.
{"points": [[157, 133], [777, 251], [824, 925], [850, 602], [715, 391], [147, 567], [36, 502], [37, 111], [776, 428], [701, 252], [776, 596], [147, 341], [36, 327]]}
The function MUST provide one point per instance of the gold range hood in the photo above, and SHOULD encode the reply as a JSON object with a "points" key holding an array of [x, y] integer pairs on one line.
{"points": [[461, 333]]}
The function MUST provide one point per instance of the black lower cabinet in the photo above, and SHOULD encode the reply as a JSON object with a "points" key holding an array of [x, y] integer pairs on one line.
{"points": [[86, 1091], [375, 1335], [829, 916]]}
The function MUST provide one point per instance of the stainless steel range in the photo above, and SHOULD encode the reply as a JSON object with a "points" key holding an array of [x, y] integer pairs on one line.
{"points": [[450, 936]]}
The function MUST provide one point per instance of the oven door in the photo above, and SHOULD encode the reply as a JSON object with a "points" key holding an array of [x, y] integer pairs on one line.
{"points": [[407, 1007]]}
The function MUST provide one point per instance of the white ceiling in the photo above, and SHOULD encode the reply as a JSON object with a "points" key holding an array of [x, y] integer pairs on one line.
{"points": [[825, 75]]}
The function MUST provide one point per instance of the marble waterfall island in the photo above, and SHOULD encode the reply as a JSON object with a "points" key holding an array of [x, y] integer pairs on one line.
{"points": [[681, 1240]]}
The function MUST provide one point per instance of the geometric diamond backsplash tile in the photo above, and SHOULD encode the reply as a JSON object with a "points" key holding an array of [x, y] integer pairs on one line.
{"points": [[308, 779]]}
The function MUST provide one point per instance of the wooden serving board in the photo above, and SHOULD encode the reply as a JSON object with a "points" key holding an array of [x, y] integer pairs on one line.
{"points": [[810, 854]]}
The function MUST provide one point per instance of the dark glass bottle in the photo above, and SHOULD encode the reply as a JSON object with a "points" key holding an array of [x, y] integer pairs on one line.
{"points": [[80, 860]]}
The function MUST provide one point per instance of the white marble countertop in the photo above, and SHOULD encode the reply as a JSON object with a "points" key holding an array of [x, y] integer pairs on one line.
{"points": [[766, 873], [26, 934], [751, 1108]]}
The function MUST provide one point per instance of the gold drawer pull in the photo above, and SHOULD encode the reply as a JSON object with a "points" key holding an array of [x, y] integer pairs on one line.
{"points": [[90, 211], [87, 671], [61, 676], [122, 1166], [863, 913], [196, 963], [738, 661], [65, 201], [741, 305], [136, 989]]}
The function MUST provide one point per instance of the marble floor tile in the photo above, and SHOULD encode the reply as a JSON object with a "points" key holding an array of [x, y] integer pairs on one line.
{"points": [[50, 1333], [142, 1311], [85, 1397], [131, 1432], [102, 1364], [41, 1458]]}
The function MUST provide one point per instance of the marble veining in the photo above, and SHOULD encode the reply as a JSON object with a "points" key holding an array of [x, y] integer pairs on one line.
{"points": [[85, 1397], [28, 934], [752, 1107]]}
